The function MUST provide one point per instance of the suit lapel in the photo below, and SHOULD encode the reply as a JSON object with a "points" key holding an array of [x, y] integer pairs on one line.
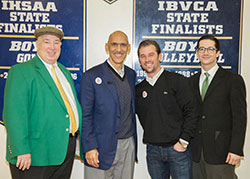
{"points": [[131, 82], [72, 85], [197, 87], [48, 80], [218, 77], [109, 81]]}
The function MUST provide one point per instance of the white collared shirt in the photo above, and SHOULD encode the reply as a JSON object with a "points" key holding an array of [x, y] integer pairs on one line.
{"points": [[153, 80], [121, 73], [211, 72], [66, 87]]}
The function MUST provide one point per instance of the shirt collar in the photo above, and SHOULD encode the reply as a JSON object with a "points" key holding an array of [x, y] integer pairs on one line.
{"points": [[121, 73], [211, 72], [47, 64], [153, 80]]}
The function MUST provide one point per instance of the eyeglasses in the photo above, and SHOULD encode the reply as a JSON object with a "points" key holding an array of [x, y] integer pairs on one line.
{"points": [[209, 49]]}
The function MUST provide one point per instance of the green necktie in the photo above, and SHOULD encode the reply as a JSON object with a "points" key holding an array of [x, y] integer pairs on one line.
{"points": [[205, 85]]}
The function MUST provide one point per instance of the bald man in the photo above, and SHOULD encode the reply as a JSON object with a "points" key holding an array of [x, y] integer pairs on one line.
{"points": [[107, 97]]}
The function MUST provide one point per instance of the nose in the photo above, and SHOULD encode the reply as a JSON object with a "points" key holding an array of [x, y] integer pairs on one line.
{"points": [[52, 45], [206, 51], [147, 59], [118, 47]]}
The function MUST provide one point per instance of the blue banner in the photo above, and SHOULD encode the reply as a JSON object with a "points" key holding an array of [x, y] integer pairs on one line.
{"points": [[177, 25], [18, 21]]}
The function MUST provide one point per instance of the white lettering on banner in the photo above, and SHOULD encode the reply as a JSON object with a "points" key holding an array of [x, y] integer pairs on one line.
{"points": [[74, 76], [24, 18], [16, 16], [179, 46], [24, 28], [195, 12], [187, 17], [29, 17], [182, 46], [25, 46], [184, 58], [186, 29], [186, 73], [22, 57], [28, 6], [187, 6]]}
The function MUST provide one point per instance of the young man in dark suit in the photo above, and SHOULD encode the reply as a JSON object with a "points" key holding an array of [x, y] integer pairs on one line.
{"points": [[221, 102]]}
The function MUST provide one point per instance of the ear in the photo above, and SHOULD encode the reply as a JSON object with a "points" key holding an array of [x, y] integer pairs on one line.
{"points": [[106, 48], [37, 44], [129, 48], [217, 53], [160, 57], [196, 52]]}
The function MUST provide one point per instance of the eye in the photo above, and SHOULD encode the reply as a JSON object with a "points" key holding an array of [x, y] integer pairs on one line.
{"points": [[151, 55], [124, 45], [211, 48], [202, 49], [114, 44], [142, 56]]}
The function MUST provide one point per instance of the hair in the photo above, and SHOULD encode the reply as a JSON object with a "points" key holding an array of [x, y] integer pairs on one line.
{"points": [[145, 43], [210, 37]]}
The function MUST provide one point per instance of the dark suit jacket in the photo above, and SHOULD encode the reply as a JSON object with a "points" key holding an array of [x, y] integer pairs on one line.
{"points": [[101, 112], [34, 114], [222, 122]]}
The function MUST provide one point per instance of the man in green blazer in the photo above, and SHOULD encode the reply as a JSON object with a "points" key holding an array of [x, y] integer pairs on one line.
{"points": [[41, 123]]}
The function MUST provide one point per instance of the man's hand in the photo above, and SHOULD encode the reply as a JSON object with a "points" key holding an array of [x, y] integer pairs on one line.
{"points": [[233, 159], [92, 157], [23, 161], [179, 148]]}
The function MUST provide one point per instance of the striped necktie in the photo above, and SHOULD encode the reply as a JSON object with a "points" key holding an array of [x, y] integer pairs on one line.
{"points": [[205, 85], [66, 102]]}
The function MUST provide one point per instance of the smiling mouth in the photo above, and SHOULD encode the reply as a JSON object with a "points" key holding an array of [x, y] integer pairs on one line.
{"points": [[118, 54], [148, 64], [51, 53]]}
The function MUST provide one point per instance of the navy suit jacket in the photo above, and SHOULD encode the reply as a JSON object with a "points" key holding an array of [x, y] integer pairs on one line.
{"points": [[101, 112]]}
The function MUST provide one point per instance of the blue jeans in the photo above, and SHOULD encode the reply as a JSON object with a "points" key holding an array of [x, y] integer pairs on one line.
{"points": [[164, 162]]}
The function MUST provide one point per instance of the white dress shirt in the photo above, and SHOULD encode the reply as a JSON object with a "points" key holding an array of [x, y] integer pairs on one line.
{"points": [[211, 72], [153, 80], [121, 73], [66, 87]]}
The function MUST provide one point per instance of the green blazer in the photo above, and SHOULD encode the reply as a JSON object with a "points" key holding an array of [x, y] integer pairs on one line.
{"points": [[34, 114]]}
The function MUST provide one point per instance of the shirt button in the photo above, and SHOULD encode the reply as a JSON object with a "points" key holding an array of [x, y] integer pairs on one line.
{"points": [[67, 116], [67, 129], [203, 117], [199, 132]]}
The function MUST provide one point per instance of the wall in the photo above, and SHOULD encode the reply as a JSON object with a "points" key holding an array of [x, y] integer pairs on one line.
{"points": [[119, 16]]}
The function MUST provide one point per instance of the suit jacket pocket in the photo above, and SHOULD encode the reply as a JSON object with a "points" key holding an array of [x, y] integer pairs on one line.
{"points": [[222, 142], [217, 133]]}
